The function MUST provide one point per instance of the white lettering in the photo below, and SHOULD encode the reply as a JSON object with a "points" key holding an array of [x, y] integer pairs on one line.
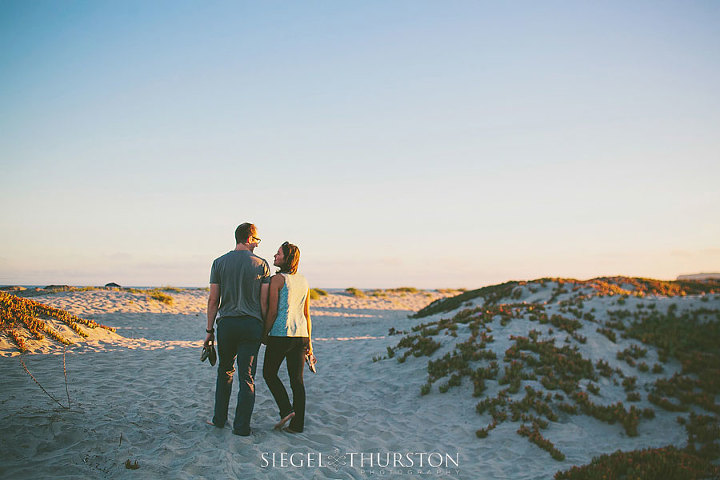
{"points": [[292, 460], [375, 462], [430, 460], [363, 457]]}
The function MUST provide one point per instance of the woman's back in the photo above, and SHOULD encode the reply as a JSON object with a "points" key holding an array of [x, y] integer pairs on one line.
{"points": [[290, 320]]}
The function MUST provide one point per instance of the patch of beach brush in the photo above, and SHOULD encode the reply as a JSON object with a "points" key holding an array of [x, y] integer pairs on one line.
{"points": [[21, 318], [316, 293], [691, 337], [160, 295], [528, 359], [354, 292], [489, 294], [667, 463], [602, 286], [395, 291]]}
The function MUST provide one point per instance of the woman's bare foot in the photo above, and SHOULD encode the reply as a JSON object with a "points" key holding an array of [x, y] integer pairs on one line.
{"points": [[284, 420]]}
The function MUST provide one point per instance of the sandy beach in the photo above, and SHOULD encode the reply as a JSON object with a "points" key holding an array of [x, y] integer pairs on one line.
{"points": [[141, 394]]}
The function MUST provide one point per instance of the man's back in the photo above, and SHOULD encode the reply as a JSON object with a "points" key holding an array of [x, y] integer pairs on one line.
{"points": [[240, 275]]}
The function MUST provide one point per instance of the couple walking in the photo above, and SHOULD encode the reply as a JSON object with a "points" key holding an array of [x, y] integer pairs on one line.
{"points": [[253, 307]]}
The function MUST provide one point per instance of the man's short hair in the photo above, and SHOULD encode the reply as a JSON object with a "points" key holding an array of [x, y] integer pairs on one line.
{"points": [[244, 231]]}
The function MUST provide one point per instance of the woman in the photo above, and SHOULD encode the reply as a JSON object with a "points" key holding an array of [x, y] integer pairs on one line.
{"points": [[287, 335]]}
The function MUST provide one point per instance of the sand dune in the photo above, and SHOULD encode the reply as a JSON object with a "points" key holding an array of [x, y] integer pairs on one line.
{"points": [[141, 394]]}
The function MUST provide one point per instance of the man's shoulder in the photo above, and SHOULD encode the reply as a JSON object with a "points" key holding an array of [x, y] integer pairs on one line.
{"points": [[240, 259], [223, 257], [257, 258], [242, 256]]}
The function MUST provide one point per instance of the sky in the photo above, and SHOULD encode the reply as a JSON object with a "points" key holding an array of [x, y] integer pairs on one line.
{"points": [[397, 143]]}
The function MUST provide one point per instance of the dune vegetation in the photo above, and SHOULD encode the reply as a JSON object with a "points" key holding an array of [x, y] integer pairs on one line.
{"points": [[552, 371], [160, 295], [355, 292], [316, 293], [22, 318]]}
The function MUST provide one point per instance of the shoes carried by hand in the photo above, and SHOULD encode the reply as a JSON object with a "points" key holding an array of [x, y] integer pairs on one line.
{"points": [[311, 361], [209, 353]]}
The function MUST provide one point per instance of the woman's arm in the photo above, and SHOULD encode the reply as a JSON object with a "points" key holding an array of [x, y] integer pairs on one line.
{"points": [[309, 322], [276, 284]]}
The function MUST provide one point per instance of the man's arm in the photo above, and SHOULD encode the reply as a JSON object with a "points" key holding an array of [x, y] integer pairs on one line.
{"points": [[212, 309], [264, 288]]}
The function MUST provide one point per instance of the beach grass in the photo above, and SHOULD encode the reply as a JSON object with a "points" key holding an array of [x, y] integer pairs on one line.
{"points": [[667, 463], [355, 292], [22, 318], [316, 293], [160, 295], [567, 377]]}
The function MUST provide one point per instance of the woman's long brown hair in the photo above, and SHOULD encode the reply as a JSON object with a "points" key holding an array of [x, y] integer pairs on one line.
{"points": [[292, 258]]}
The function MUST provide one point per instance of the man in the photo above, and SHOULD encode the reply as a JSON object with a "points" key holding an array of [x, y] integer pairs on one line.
{"points": [[238, 297]]}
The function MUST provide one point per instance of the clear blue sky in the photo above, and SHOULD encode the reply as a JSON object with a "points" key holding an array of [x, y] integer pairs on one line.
{"points": [[429, 144]]}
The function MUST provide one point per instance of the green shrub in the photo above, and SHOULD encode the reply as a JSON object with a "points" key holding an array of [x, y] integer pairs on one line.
{"points": [[592, 388], [316, 293], [404, 290], [490, 294], [666, 463], [160, 296], [168, 288], [355, 292], [610, 334]]}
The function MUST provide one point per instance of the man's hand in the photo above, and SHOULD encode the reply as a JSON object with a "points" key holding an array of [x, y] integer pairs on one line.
{"points": [[209, 337]]}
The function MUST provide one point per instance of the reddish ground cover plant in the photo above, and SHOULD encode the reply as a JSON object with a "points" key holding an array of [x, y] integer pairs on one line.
{"points": [[689, 335], [666, 463], [19, 315]]}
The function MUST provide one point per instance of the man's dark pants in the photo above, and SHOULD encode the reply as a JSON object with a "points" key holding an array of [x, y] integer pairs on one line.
{"points": [[237, 338]]}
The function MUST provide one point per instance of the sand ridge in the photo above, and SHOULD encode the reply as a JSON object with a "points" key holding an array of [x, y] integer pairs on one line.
{"points": [[143, 395]]}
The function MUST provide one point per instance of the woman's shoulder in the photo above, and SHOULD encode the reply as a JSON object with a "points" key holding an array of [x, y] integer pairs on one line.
{"points": [[301, 280], [277, 280]]}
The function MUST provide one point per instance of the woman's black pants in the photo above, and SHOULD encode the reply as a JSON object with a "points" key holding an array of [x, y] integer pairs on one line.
{"points": [[293, 350]]}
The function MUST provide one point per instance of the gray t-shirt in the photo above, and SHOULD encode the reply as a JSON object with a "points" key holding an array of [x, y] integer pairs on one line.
{"points": [[240, 274]]}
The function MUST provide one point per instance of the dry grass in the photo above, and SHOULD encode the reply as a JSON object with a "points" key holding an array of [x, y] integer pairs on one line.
{"points": [[21, 318], [160, 296]]}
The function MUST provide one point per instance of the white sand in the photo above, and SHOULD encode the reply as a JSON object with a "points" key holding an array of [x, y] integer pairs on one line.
{"points": [[142, 394]]}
